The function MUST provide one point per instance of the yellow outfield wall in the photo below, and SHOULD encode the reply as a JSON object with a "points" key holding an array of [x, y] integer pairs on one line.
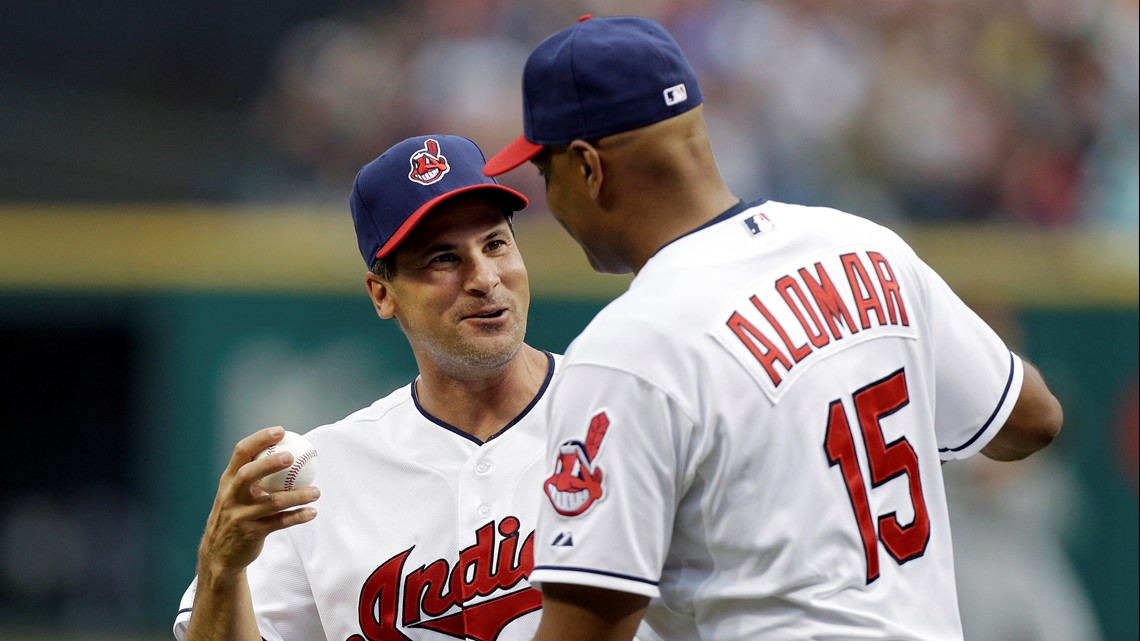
{"points": [[178, 247]]}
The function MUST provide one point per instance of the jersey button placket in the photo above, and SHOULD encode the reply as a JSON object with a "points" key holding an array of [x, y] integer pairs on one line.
{"points": [[480, 490]]}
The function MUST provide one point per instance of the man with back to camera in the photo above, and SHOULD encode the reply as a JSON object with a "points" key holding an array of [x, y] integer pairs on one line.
{"points": [[747, 444], [427, 511]]}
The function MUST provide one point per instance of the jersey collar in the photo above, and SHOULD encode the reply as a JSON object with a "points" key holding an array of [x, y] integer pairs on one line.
{"points": [[723, 216], [526, 410]]}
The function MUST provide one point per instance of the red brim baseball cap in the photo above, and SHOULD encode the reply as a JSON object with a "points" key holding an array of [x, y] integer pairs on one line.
{"points": [[395, 191], [597, 78]]}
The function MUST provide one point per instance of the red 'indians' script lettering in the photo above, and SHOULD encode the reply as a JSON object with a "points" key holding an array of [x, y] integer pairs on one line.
{"points": [[821, 311], [433, 589]]}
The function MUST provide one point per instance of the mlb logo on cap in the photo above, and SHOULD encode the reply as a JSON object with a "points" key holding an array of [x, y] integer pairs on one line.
{"points": [[676, 95]]}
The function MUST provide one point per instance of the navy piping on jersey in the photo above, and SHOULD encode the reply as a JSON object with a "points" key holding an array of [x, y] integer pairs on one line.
{"points": [[592, 571], [526, 410], [1001, 401], [728, 213]]}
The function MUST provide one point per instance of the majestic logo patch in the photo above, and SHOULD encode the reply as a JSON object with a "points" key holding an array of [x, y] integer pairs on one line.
{"points": [[577, 481], [428, 164]]}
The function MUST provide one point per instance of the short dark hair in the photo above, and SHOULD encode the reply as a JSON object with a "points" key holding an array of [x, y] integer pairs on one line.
{"points": [[385, 266]]}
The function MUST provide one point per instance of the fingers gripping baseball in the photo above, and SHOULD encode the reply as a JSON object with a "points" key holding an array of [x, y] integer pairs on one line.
{"points": [[243, 513]]}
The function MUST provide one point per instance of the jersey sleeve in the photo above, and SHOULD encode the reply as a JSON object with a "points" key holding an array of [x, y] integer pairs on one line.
{"points": [[282, 600], [613, 482], [977, 379], [182, 619]]}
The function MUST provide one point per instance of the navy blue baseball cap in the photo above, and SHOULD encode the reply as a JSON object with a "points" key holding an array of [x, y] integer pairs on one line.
{"points": [[599, 77], [395, 191]]}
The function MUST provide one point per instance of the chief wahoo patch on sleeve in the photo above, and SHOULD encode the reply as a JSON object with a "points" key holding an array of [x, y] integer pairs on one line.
{"points": [[577, 480]]}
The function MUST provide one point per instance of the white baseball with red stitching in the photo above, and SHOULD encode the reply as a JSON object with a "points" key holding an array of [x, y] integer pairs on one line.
{"points": [[300, 473]]}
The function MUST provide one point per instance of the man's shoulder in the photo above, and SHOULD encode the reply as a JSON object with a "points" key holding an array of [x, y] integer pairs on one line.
{"points": [[782, 235], [634, 332], [820, 219], [366, 417], [376, 411], [666, 314]]}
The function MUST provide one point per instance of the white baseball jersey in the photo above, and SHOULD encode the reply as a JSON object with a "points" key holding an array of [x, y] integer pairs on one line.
{"points": [[752, 434], [422, 533]]}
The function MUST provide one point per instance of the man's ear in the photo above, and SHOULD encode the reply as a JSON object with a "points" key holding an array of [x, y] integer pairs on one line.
{"points": [[380, 291], [588, 163]]}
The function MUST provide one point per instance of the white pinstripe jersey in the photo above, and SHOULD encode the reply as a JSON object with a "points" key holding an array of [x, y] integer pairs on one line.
{"points": [[752, 434], [422, 533]]}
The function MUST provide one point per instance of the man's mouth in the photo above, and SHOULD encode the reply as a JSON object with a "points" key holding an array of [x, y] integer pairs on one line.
{"points": [[495, 313]]}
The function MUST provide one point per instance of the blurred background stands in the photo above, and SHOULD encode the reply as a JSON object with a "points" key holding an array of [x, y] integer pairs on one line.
{"points": [[177, 265]]}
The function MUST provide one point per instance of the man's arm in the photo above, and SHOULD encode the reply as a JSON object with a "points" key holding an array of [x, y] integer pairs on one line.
{"points": [[1034, 422], [581, 613], [242, 516], [223, 609]]}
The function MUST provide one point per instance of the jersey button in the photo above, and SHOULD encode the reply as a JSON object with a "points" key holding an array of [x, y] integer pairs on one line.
{"points": [[483, 467], [484, 510]]}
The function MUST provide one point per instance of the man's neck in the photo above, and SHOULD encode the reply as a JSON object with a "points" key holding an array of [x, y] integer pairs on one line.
{"points": [[481, 405]]}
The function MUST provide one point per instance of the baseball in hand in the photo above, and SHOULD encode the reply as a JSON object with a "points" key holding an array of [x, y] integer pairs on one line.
{"points": [[300, 473]]}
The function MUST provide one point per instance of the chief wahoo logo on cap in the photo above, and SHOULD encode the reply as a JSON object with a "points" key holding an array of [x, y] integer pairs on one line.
{"points": [[428, 165]]}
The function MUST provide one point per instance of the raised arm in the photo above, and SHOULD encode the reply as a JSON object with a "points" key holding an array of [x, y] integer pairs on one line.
{"points": [[242, 516], [1033, 424]]}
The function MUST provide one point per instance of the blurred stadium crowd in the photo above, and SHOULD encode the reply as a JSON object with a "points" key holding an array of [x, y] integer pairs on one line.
{"points": [[925, 110], [1014, 113]]}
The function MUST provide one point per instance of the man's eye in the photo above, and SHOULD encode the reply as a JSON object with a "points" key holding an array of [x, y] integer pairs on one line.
{"points": [[443, 258]]}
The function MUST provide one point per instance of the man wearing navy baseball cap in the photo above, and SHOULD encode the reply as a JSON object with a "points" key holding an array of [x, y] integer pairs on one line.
{"points": [[747, 444], [432, 473], [618, 89]]}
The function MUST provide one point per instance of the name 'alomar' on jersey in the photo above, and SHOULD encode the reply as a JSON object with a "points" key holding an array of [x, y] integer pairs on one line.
{"points": [[802, 313]]}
